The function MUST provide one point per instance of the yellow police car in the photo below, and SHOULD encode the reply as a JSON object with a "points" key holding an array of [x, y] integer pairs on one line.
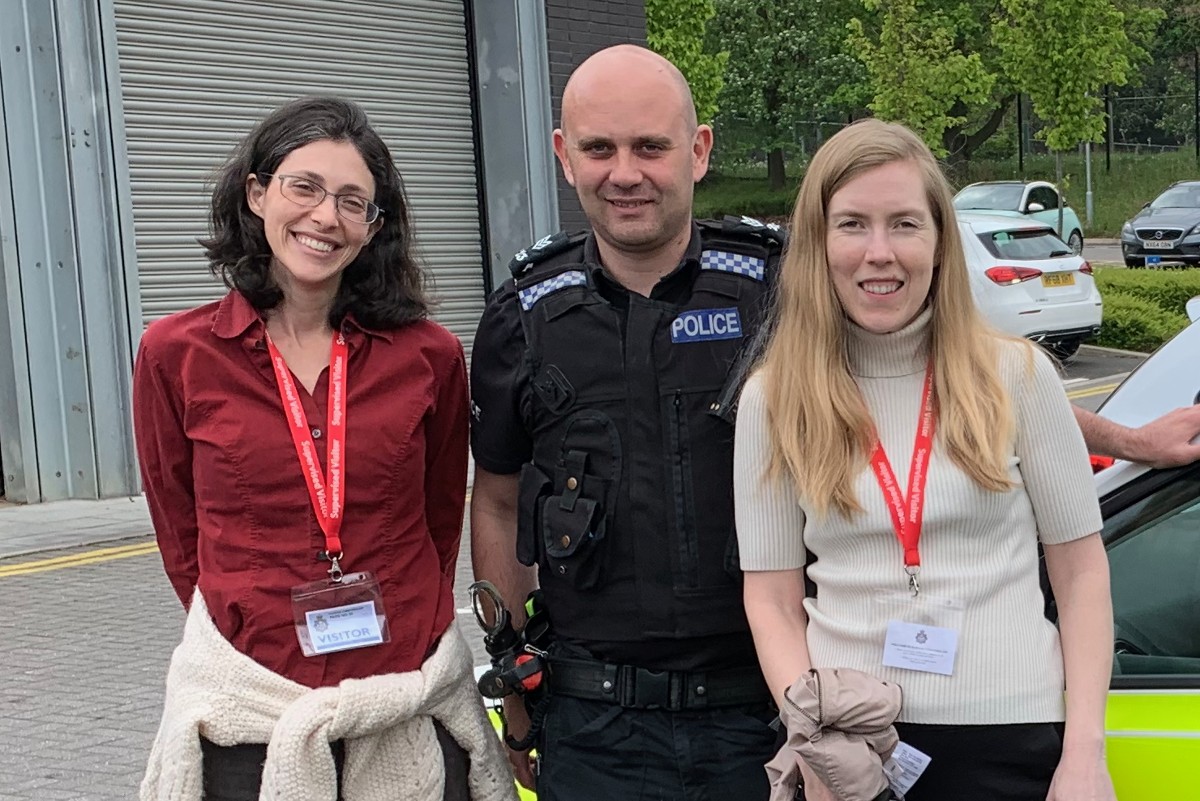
{"points": [[1152, 534]]}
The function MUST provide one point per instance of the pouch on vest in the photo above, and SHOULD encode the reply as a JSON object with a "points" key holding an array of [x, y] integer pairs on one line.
{"points": [[573, 524], [533, 485]]}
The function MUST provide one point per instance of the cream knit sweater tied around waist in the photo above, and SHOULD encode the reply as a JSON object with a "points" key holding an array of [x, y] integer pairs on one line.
{"points": [[392, 751]]}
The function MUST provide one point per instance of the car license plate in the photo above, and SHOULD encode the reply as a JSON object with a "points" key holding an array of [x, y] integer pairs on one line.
{"points": [[1154, 244], [1058, 279]]}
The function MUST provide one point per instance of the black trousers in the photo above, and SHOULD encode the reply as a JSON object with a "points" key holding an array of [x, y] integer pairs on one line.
{"points": [[984, 763], [234, 773], [602, 751], [999, 763]]}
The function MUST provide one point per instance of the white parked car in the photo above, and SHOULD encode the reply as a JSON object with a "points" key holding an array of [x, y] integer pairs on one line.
{"points": [[1028, 282]]}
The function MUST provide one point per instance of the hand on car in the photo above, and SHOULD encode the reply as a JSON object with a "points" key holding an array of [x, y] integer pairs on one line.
{"points": [[516, 719], [1167, 441]]}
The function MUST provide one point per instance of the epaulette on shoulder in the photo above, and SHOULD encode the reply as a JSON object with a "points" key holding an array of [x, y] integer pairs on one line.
{"points": [[543, 249], [769, 234]]}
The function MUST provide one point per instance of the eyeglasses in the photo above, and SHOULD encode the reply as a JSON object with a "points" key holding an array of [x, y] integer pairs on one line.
{"points": [[306, 192]]}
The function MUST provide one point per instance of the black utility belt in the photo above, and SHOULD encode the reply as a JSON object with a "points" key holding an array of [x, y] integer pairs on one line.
{"points": [[642, 688]]}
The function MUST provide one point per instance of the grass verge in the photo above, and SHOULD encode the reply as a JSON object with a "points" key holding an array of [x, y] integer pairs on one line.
{"points": [[1117, 193]]}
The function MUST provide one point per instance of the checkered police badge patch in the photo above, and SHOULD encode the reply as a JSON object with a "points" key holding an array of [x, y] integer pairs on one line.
{"points": [[532, 294], [736, 263]]}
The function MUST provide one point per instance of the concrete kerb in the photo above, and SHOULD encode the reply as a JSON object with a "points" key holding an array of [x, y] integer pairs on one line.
{"points": [[1116, 351], [59, 525], [67, 544]]}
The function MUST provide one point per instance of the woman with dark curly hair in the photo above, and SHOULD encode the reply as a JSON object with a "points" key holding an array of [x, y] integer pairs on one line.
{"points": [[303, 450]]}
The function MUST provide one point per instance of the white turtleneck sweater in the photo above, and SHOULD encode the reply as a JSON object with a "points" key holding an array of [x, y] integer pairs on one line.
{"points": [[977, 547]]}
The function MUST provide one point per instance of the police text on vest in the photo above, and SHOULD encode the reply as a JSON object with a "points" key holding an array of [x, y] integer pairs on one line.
{"points": [[701, 325]]}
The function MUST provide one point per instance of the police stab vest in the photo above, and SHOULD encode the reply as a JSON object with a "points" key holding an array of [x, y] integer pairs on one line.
{"points": [[627, 504]]}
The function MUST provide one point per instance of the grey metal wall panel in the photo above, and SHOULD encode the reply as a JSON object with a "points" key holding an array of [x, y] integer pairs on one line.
{"points": [[18, 448], [104, 284], [514, 117], [47, 257], [197, 74]]}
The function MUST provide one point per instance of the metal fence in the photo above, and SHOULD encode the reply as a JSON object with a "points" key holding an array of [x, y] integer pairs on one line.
{"points": [[1138, 123]]}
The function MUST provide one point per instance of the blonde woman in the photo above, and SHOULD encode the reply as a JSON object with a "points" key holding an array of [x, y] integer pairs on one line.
{"points": [[925, 558]]}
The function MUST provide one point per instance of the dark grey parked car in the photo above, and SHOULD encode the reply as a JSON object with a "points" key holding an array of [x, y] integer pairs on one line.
{"points": [[1167, 229]]}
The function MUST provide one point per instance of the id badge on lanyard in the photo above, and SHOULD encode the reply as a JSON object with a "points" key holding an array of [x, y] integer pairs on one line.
{"points": [[345, 610], [923, 630]]}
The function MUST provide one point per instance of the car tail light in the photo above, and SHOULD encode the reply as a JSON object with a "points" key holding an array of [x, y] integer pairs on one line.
{"points": [[1100, 462], [1011, 275], [1086, 268]]}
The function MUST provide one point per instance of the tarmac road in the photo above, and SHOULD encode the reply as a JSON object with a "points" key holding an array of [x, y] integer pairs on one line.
{"points": [[1103, 251], [1093, 373]]}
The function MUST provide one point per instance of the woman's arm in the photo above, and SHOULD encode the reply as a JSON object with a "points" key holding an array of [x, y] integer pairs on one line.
{"points": [[446, 433], [1058, 481], [770, 531], [775, 608], [1079, 578], [165, 457]]}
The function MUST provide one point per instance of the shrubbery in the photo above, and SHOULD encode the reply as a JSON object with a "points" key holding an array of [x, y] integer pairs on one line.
{"points": [[1169, 289], [1144, 308]]}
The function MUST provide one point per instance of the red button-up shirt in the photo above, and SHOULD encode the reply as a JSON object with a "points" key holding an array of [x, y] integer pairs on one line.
{"points": [[230, 506]]}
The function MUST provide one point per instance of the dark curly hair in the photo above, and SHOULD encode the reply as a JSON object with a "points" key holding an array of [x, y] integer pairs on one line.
{"points": [[384, 286]]}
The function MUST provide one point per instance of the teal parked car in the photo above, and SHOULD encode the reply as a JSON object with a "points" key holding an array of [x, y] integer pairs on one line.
{"points": [[1038, 200]]}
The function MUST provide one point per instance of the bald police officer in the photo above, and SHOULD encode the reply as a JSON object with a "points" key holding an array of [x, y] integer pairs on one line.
{"points": [[603, 450]]}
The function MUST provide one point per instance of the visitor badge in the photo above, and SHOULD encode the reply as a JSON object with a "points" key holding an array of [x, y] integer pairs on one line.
{"points": [[914, 646], [922, 632], [332, 616], [904, 767]]}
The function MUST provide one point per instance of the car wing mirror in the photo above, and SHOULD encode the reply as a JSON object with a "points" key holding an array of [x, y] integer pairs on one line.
{"points": [[1034, 207], [1193, 309], [1146, 205]]}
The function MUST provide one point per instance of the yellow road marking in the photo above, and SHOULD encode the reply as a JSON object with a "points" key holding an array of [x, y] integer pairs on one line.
{"points": [[78, 559], [1084, 393], [88, 558]]}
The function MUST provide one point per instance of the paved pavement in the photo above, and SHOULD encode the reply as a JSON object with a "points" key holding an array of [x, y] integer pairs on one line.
{"points": [[85, 637], [46, 526], [84, 655], [88, 623]]}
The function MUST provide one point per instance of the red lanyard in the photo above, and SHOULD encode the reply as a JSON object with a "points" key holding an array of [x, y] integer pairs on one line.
{"points": [[328, 493], [907, 510]]}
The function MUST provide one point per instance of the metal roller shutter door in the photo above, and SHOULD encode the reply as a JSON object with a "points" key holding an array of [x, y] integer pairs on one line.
{"points": [[197, 74]]}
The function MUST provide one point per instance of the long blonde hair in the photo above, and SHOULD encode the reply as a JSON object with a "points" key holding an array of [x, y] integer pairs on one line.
{"points": [[821, 430]]}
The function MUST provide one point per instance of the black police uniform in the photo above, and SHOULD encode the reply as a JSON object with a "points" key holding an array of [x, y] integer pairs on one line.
{"points": [[611, 407]]}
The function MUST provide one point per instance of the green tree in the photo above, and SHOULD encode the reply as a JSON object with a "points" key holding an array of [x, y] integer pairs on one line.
{"points": [[940, 42], [1062, 52], [920, 75], [675, 29], [1177, 45], [788, 64]]}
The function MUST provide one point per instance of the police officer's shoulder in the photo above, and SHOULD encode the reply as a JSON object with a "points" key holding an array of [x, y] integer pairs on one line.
{"points": [[745, 229], [741, 246], [543, 250]]}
